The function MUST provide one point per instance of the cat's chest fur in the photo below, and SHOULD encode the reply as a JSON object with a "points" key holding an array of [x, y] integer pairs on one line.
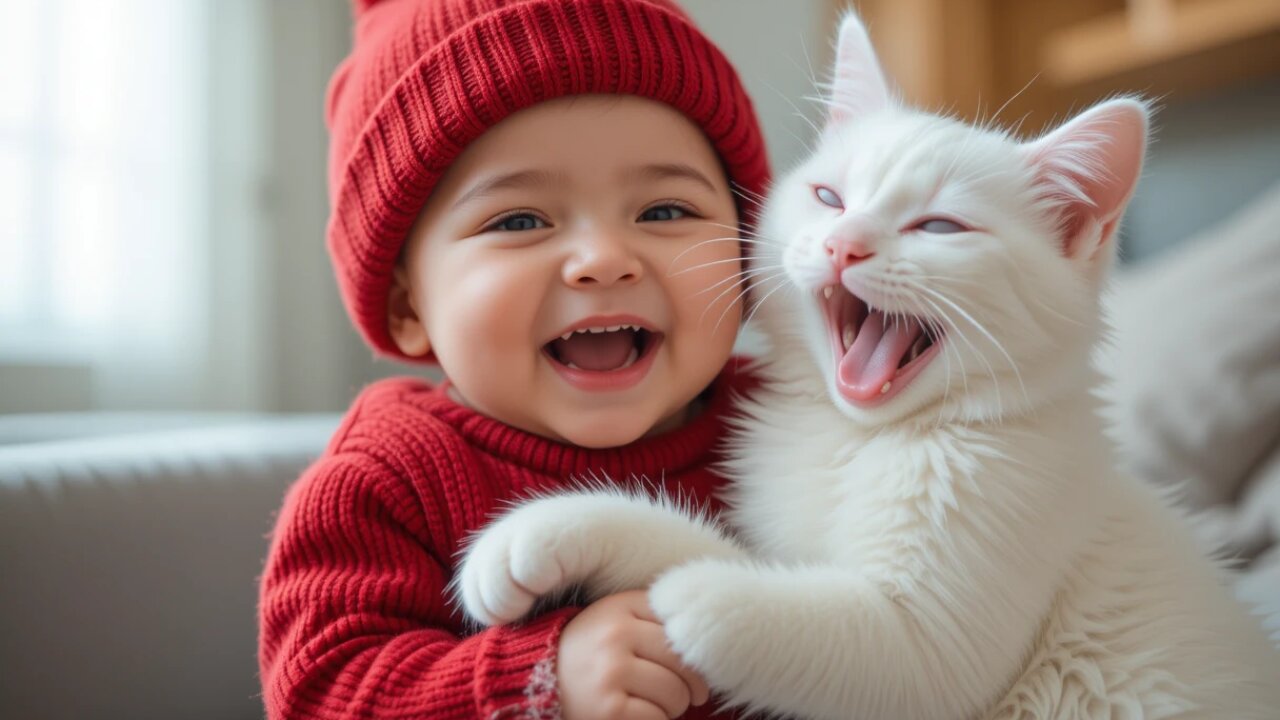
{"points": [[810, 488]]}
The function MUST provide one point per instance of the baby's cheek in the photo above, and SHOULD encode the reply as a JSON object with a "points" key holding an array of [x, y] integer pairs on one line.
{"points": [[490, 317]]}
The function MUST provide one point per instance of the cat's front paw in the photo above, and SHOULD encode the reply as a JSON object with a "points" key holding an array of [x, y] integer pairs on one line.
{"points": [[706, 610], [516, 561]]}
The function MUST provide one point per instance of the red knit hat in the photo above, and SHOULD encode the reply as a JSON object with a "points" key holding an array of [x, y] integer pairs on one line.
{"points": [[427, 77]]}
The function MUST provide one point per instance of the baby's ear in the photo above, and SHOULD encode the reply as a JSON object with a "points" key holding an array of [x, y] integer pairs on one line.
{"points": [[859, 85], [404, 323], [1086, 171]]}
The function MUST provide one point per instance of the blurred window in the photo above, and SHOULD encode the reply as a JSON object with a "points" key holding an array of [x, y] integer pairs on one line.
{"points": [[101, 183]]}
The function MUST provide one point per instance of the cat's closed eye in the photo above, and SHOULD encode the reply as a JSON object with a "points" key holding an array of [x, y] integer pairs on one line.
{"points": [[828, 197], [940, 226]]}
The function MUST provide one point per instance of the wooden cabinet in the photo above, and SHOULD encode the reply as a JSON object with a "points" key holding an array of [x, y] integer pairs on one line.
{"points": [[1037, 60]]}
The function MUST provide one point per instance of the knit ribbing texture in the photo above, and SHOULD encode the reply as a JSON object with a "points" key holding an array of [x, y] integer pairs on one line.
{"points": [[354, 616]]}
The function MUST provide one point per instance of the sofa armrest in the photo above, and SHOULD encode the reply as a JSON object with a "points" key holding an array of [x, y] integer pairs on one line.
{"points": [[129, 567]]}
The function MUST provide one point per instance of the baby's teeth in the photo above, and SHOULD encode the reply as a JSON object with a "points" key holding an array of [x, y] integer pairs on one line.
{"points": [[630, 359], [600, 329], [847, 336], [885, 388], [571, 366]]}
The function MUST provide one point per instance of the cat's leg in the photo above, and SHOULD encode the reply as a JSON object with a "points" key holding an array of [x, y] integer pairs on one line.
{"points": [[605, 541], [822, 642]]}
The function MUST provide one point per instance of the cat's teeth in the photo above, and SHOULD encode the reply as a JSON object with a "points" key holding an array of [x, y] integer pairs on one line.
{"points": [[847, 336], [885, 388], [827, 291]]}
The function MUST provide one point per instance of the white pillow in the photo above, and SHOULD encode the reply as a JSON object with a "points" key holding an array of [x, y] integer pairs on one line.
{"points": [[1196, 357]]}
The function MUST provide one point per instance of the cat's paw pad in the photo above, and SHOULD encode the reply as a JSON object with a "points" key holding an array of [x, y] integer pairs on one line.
{"points": [[515, 562]]}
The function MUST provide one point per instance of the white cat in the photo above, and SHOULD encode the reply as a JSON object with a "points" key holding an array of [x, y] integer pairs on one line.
{"points": [[929, 517]]}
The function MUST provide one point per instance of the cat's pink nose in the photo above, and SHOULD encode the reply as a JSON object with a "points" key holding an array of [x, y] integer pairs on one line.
{"points": [[846, 251]]}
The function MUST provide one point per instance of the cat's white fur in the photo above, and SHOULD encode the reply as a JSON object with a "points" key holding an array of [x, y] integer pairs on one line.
{"points": [[967, 549]]}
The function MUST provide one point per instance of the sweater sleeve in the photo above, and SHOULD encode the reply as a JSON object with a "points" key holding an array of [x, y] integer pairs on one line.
{"points": [[354, 619]]}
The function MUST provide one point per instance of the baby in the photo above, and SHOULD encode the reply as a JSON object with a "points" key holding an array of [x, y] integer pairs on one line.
{"points": [[542, 197]]}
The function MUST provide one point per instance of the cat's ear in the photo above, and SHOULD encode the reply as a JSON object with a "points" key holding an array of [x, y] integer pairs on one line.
{"points": [[859, 85], [1085, 172]]}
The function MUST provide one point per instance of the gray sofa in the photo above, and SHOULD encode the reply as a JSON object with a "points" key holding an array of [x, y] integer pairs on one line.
{"points": [[130, 547]]}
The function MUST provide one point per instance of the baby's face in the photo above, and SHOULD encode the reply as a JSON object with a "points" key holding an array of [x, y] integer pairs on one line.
{"points": [[576, 271]]}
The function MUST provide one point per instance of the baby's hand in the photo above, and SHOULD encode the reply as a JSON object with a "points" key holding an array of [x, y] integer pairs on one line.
{"points": [[614, 663]]}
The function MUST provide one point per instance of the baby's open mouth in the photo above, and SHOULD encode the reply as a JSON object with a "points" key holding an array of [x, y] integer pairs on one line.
{"points": [[877, 354], [602, 348]]}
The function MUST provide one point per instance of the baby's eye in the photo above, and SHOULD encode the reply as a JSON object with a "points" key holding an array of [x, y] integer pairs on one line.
{"points": [[941, 226], [518, 223], [661, 213]]}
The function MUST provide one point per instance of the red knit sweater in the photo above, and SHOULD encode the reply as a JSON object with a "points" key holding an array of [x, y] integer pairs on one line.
{"points": [[354, 620]]}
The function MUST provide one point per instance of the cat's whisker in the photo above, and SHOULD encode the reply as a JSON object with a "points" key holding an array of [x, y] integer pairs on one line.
{"points": [[747, 194], [1015, 96], [980, 328], [730, 288], [707, 264], [735, 300], [937, 331], [954, 329], [704, 242], [818, 86], [942, 280], [750, 235], [834, 105], [743, 274], [757, 304], [732, 280]]}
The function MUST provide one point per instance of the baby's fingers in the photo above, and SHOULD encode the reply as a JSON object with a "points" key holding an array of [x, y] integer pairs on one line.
{"points": [[640, 709], [657, 684], [653, 647]]}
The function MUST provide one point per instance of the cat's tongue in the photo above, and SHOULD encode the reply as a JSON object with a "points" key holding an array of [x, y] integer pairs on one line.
{"points": [[876, 353], [596, 351]]}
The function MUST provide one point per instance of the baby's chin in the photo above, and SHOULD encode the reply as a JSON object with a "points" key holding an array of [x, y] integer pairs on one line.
{"points": [[599, 430]]}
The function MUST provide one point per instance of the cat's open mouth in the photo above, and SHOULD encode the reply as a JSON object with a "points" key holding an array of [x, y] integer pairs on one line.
{"points": [[877, 354]]}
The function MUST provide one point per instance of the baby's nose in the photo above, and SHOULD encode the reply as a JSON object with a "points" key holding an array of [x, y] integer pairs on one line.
{"points": [[601, 264]]}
